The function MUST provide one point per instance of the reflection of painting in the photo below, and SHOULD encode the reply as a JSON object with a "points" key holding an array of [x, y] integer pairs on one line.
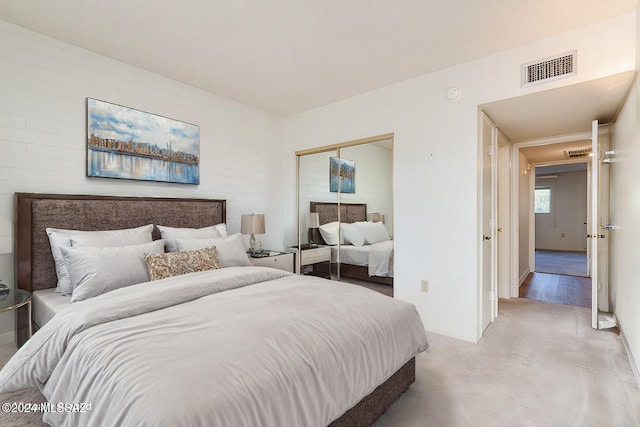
{"points": [[131, 144], [342, 172]]}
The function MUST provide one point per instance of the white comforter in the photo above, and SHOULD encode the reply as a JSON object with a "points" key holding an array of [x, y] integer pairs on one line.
{"points": [[207, 349]]}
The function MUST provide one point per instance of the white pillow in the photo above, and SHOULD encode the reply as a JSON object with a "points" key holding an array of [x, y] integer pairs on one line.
{"points": [[352, 234], [374, 232], [60, 238], [330, 232], [95, 271], [231, 250], [222, 229], [171, 234]]}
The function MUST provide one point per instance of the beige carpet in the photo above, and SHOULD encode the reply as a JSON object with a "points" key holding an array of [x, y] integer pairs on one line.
{"points": [[539, 364]]}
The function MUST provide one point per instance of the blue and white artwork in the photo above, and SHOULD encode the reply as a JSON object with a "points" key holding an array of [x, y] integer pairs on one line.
{"points": [[342, 174], [131, 144]]}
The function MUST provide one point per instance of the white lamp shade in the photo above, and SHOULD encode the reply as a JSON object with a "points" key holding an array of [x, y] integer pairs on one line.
{"points": [[313, 220], [252, 224]]}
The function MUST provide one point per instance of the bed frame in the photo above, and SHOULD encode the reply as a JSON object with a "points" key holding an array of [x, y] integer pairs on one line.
{"points": [[349, 212], [35, 268]]}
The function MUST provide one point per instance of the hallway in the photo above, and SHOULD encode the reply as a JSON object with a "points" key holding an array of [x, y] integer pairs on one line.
{"points": [[561, 262]]}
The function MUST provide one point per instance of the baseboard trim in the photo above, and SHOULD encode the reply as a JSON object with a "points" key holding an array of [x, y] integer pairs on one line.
{"points": [[524, 276], [8, 337], [632, 360]]}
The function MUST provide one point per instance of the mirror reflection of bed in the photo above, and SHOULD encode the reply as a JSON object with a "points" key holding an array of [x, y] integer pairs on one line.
{"points": [[366, 206], [362, 250]]}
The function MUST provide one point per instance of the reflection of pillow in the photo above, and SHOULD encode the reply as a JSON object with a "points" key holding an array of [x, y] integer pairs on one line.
{"points": [[330, 232], [374, 232], [59, 238], [231, 250], [178, 263], [170, 234], [352, 234], [94, 271]]}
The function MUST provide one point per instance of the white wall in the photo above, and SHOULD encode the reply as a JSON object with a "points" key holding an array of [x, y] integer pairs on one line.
{"points": [[568, 214], [43, 89], [436, 159], [524, 216], [624, 256]]}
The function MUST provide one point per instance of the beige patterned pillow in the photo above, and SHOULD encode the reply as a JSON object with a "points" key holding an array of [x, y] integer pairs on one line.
{"points": [[177, 263]]}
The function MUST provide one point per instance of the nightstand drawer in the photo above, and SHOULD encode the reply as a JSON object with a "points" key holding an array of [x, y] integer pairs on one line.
{"points": [[283, 261], [313, 256]]}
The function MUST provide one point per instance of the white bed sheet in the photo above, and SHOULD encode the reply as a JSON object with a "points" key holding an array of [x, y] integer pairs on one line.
{"points": [[378, 257], [46, 303], [349, 254]]}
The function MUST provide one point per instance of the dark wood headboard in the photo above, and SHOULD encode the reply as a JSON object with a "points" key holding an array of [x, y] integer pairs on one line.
{"points": [[328, 212], [35, 268]]}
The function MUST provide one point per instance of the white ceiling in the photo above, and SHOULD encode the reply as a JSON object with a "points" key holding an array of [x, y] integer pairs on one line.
{"points": [[562, 111], [288, 56]]}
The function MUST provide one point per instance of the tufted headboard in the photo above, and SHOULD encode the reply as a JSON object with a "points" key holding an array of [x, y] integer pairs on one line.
{"points": [[328, 212], [35, 268]]}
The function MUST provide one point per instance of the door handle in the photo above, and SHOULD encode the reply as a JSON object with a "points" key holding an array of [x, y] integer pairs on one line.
{"points": [[485, 238]]}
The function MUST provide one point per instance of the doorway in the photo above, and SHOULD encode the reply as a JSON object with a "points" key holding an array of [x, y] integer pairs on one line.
{"points": [[561, 211], [557, 213]]}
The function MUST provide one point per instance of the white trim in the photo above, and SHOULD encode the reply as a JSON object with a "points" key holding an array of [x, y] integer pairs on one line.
{"points": [[632, 361], [8, 337], [524, 276], [571, 137]]}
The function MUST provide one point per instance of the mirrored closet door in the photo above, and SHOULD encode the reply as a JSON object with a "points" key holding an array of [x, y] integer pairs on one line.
{"points": [[345, 210]]}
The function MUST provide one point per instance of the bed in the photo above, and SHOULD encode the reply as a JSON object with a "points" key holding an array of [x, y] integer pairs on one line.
{"points": [[205, 348], [355, 261]]}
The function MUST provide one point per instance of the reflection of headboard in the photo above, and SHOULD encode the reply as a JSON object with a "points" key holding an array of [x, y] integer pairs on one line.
{"points": [[328, 212]]}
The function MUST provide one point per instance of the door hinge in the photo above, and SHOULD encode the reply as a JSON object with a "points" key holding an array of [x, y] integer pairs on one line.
{"points": [[492, 150], [492, 296]]}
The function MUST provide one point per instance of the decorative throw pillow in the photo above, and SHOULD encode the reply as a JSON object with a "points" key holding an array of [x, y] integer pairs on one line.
{"points": [[59, 238], [161, 266], [170, 234], [231, 250]]}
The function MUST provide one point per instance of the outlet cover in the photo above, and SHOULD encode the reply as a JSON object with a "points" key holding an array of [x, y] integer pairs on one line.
{"points": [[424, 286]]}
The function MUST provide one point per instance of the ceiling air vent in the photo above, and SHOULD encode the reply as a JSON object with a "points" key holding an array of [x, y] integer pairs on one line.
{"points": [[578, 152], [549, 69]]}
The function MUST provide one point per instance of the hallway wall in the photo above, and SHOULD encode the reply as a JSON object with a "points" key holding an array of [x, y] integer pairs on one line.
{"points": [[563, 228]]}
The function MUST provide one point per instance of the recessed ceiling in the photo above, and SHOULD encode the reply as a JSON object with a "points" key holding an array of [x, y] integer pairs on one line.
{"points": [[561, 111], [288, 56], [554, 152]]}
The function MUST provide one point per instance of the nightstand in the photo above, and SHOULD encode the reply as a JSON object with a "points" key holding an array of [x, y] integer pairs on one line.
{"points": [[316, 261], [13, 300], [274, 259]]}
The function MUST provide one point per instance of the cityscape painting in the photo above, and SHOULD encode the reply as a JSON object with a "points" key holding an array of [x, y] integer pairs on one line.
{"points": [[131, 144], [342, 175]]}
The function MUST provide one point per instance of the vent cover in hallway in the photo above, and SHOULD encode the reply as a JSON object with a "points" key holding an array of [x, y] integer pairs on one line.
{"points": [[549, 69]]}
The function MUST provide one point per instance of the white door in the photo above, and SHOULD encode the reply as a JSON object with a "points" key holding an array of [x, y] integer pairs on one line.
{"points": [[599, 218], [488, 296], [594, 224]]}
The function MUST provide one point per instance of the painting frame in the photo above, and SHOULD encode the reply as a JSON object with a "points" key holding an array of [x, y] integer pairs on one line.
{"points": [[342, 175], [127, 143]]}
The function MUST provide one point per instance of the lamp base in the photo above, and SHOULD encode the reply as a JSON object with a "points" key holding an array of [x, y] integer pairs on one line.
{"points": [[252, 243]]}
